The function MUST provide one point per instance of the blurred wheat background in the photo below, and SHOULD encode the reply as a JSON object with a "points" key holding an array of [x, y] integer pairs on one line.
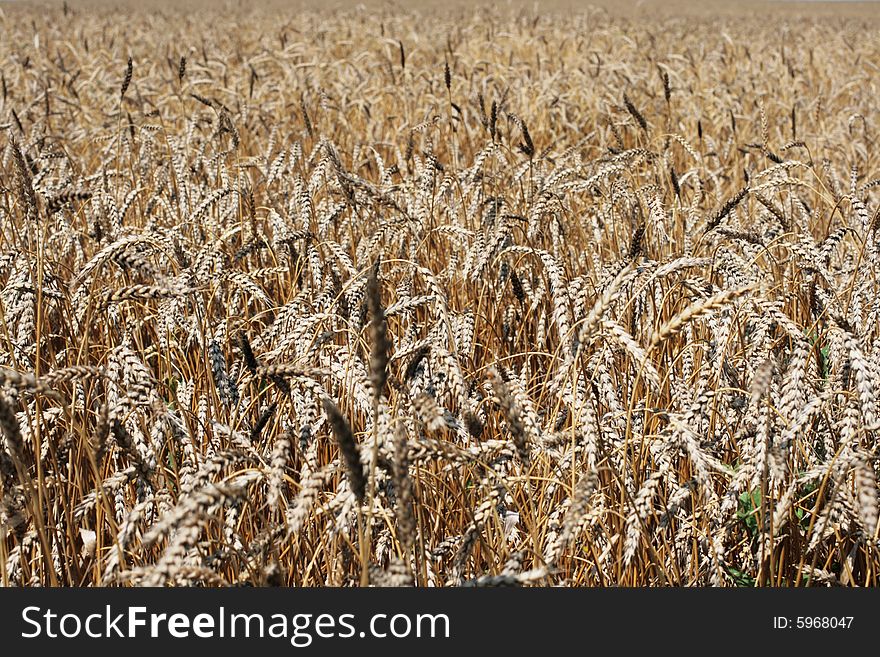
{"points": [[386, 296]]}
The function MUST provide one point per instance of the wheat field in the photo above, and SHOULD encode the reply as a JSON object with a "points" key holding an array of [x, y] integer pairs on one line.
{"points": [[462, 297]]}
